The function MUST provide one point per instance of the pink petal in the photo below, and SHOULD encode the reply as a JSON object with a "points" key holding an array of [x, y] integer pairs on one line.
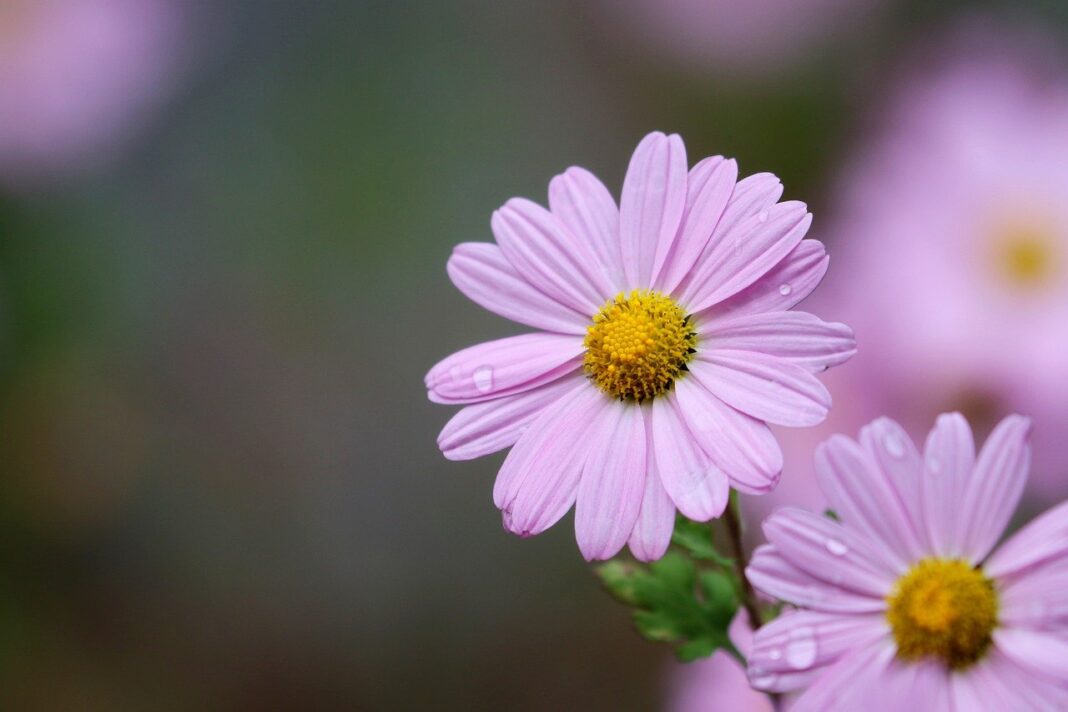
{"points": [[1043, 541], [898, 461], [736, 443], [1037, 599], [539, 478], [765, 387], [799, 641], [995, 486], [828, 551], [784, 286], [907, 686], [777, 577], [550, 257], [750, 197], [997, 683], [1041, 653], [654, 197], [860, 492], [797, 337], [503, 367], [745, 254], [481, 271], [697, 487], [613, 482], [846, 684], [709, 187], [586, 208], [656, 519], [493, 425], [948, 460]]}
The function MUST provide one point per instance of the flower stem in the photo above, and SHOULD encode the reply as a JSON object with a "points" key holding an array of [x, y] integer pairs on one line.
{"points": [[732, 517]]}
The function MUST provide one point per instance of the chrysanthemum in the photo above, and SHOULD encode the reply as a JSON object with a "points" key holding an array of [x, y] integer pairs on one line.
{"points": [[952, 222], [901, 604], [665, 346]]}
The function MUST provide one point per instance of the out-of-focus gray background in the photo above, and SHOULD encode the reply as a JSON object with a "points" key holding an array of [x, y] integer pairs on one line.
{"points": [[220, 487]]}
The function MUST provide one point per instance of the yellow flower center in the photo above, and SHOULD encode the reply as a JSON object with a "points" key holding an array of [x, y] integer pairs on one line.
{"points": [[945, 609], [1026, 256], [638, 344]]}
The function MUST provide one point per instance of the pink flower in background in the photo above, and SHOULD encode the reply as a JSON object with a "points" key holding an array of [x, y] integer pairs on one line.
{"points": [[718, 682], [952, 241], [664, 347], [901, 604], [753, 37], [76, 76]]}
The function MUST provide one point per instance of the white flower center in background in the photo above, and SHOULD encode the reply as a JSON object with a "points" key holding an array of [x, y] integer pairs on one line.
{"points": [[945, 609], [638, 344]]}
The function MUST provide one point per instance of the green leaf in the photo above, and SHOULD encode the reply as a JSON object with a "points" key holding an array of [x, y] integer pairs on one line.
{"points": [[618, 577], [696, 539], [697, 649], [721, 596], [676, 602]]}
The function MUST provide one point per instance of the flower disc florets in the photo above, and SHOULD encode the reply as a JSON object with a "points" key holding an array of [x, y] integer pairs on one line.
{"points": [[638, 344], [943, 608]]}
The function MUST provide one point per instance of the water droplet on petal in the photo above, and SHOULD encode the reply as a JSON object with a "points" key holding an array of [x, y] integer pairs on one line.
{"points": [[775, 654], [761, 679], [785, 289], [763, 216], [483, 378], [837, 548], [801, 649], [934, 465], [894, 445]]}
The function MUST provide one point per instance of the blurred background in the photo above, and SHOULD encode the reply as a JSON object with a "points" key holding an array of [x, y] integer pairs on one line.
{"points": [[223, 235]]}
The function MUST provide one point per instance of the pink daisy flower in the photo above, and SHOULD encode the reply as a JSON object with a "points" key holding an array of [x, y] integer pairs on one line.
{"points": [[901, 604], [952, 224], [664, 347]]}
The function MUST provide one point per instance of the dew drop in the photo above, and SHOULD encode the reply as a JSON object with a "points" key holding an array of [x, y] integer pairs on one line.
{"points": [[837, 548], [763, 216], [483, 378], [761, 679], [775, 654], [894, 445], [801, 649], [934, 465], [785, 289]]}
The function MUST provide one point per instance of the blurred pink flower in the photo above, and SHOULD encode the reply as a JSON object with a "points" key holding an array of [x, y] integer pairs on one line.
{"points": [[951, 235], [718, 682], [752, 37], [76, 76], [902, 605], [665, 346]]}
